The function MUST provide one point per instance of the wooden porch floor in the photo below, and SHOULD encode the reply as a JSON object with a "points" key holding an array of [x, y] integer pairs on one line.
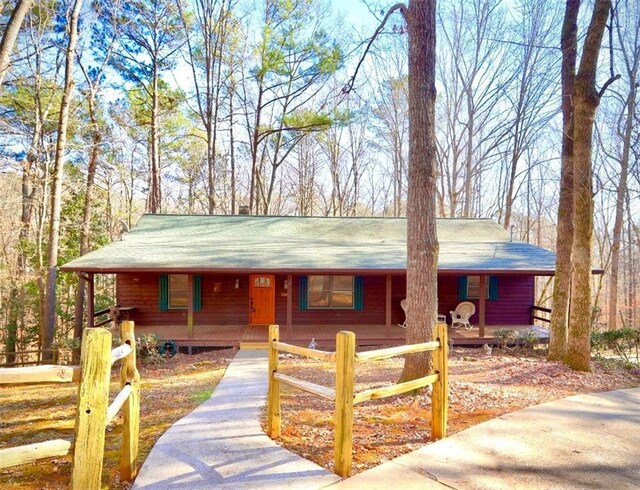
{"points": [[324, 335]]}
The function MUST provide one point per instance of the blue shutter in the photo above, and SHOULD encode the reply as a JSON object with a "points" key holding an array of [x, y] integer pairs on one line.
{"points": [[493, 288], [462, 288], [358, 293], [302, 293], [197, 293], [163, 292]]}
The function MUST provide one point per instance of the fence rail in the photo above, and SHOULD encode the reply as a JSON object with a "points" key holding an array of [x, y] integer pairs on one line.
{"points": [[343, 394], [94, 412]]}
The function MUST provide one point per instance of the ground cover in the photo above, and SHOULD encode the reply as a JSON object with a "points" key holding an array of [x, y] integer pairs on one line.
{"points": [[483, 386], [169, 391]]}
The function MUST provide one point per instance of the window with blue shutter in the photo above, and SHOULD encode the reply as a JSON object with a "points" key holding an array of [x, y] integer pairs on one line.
{"points": [[462, 288], [493, 288], [163, 295], [302, 293], [197, 293], [358, 293]]}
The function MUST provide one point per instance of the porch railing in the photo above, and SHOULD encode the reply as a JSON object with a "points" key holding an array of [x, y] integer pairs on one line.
{"points": [[535, 309]]}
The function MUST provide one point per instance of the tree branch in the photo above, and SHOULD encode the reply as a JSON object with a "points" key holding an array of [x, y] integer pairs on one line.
{"points": [[607, 83], [403, 10]]}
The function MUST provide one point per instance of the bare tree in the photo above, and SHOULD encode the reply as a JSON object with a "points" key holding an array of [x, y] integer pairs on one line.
{"points": [[49, 325], [472, 103], [627, 31], [586, 99], [562, 284], [531, 91], [11, 34]]}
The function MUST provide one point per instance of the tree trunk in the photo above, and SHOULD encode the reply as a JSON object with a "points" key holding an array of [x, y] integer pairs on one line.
{"points": [[255, 143], [12, 325], [422, 240], [49, 324], [11, 34], [586, 100], [468, 163], [85, 229], [154, 191], [621, 195], [232, 152], [564, 238]]}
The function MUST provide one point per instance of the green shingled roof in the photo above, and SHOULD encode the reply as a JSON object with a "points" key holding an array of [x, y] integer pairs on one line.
{"points": [[275, 243]]}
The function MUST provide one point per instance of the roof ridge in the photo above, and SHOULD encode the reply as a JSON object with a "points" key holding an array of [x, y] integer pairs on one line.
{"points": [[306, 217]]}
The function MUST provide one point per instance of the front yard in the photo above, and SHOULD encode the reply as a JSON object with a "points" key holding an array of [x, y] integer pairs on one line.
{"points": [[482, 386]]}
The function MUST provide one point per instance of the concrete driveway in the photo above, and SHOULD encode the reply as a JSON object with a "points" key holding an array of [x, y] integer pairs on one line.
{"points": [[586, 441]]}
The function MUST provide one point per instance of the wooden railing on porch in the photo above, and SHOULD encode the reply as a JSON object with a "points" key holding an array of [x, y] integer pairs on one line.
{"points": [[343, 395], [536, 308]]}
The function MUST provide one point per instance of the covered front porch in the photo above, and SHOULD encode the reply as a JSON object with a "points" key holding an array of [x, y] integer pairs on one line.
{"points": [[252, 336]]}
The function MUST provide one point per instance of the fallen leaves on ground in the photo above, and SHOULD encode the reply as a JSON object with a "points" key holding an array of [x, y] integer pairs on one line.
{"points": [[36, 413], [481, 387]]}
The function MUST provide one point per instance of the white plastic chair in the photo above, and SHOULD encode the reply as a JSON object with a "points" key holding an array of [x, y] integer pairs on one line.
{"points": [[460, 316]]}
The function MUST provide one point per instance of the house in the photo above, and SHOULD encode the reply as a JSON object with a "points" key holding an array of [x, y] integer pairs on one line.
{"points": [[218, 280]]}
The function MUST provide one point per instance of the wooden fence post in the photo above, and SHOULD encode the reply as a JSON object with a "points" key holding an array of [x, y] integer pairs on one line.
{"points": [[273, 407], [440, 392], [93, 400], [345, 360], [131, 409]]}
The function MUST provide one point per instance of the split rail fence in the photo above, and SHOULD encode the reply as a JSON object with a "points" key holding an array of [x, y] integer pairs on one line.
{"points": [[94, 412], [343, 394]]}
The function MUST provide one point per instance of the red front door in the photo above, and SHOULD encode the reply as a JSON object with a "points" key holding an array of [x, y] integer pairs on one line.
{"points": [[263, 299]]}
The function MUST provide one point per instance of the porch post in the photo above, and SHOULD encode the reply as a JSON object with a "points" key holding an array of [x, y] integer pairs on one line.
{"points": [[90, 299], [388, 302], [482, 303], [289, 303], [190, 308]]}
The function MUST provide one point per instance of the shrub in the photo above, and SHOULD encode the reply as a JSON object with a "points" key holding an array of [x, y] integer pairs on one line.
{"points": [[147, 349], [625, 343], [505, 336], [528, 338]]}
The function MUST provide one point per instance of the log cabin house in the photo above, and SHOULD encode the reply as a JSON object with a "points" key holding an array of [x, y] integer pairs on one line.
{"points": [[220, 280]]}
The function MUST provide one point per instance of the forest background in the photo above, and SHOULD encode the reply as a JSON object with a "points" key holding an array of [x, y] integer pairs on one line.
{"points": [[203, 106]]}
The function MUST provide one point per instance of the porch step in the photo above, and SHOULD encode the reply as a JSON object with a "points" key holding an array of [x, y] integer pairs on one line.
{"points": [[254, 345]]}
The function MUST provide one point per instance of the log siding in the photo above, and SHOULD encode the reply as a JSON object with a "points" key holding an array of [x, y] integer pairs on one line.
{"points": [[226, 305]]}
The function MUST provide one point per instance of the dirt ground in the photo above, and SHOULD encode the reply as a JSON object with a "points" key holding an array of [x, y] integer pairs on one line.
{"points": [[482, 387], [35, 413]]}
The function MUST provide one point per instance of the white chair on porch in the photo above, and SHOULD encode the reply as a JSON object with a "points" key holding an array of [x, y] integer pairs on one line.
{"points": [[461, 315]]}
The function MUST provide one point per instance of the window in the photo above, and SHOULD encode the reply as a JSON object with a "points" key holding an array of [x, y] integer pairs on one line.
{"points": [[332, 292], [178, 291], [473, 287]]}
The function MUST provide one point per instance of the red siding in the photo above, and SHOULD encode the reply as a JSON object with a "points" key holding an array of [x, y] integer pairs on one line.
{"points": [[513, 306], [230, 306]]}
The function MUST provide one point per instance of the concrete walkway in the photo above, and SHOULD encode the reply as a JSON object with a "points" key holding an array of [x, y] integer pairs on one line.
{"points": [[586, 441], [221, 445]]}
